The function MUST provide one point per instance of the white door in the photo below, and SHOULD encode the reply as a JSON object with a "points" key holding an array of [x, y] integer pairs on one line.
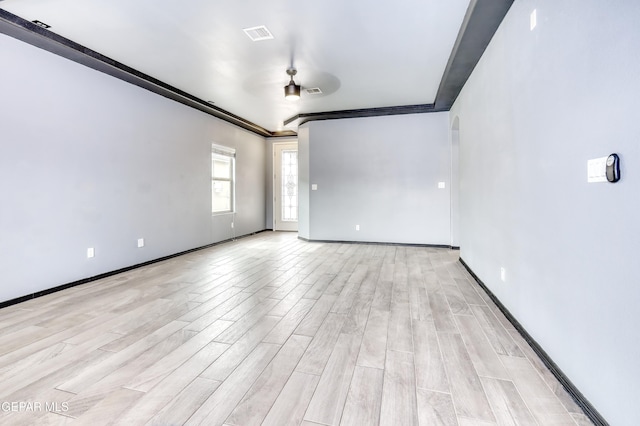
{"points": [[285, 186]]}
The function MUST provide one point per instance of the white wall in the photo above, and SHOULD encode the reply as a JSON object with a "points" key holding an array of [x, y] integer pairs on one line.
{"points": [[536, 108], [304, 187], [90, 161], [381, 173]]}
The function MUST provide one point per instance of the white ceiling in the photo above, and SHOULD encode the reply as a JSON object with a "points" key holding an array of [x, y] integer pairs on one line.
{"points": [[361, 53]]}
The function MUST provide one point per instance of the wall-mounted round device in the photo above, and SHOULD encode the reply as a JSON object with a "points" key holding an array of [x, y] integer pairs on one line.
{"points": [[613, 168]]}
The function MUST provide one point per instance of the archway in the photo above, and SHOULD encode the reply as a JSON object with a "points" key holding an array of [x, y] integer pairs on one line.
{"points": [[455, 182]]}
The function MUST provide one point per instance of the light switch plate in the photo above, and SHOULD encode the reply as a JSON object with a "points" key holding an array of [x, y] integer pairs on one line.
{"points": [[597, 170], [441, 185], [90, 252], [314, 187]]}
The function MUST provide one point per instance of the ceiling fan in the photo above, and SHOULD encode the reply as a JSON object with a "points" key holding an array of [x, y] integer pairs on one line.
{"points": [[292, 90], [308, 85]]}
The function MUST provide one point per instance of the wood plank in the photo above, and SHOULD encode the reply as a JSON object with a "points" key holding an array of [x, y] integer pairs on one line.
{"points": [[229, 298], [420, 308], [442, 315], [499, 337], [289, 301], [430, 370], [544, 405], [507, 405], [356, 320], [290, 322], [328, 401], [181, 407], [234, 356], [22, 337], [314, 319], [346, 297], [484, 358], [456, 300], [382, 296], [150, 377], [146, 328], [364, 398], [106, 341], [466, 389], [94, 373], [157, 397], [291, 404], [99, 390], [76, 358], [319, 350], [435, 409], [399, 334], [251, 320], [319, 286], [258, 400], [469, 291], [115, 402], [373, 349], [546, 374], [221, 403], [399, 405]]}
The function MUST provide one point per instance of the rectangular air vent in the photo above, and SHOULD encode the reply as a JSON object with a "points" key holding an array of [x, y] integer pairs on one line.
{"points": [[313, 91], [258, 33]]}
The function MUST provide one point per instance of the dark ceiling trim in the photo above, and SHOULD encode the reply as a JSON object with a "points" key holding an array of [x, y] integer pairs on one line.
{"points": [[365, 112], [35, 35], [482, 19], [480, 23]]}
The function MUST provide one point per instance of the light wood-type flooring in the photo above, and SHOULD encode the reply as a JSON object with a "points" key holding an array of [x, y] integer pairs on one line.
{"points": [[273, 330]]}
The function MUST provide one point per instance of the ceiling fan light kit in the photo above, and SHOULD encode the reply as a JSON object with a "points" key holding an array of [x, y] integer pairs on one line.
{"points": [[292, 90]]}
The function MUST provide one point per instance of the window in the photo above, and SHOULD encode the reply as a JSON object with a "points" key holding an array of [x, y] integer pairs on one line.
{"points": [[222, 179]]}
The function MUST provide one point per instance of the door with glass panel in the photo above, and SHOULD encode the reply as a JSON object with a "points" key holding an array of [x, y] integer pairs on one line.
{"points": [[285, 182]]}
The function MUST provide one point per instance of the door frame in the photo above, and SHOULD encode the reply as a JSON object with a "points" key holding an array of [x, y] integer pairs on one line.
{"points": [[278, 146]]}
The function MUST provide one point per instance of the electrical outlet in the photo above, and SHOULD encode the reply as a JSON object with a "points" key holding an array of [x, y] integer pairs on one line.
{"points": [[441, 185], [90, 252], [140, 242], [503, 275], [357, 227]]}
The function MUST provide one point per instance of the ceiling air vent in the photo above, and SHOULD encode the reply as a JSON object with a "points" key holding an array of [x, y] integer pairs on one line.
{"points": [[258, 33], [313, 91]]}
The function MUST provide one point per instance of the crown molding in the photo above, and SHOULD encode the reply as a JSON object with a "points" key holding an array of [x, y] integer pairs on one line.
{"points": [[28, 32]]}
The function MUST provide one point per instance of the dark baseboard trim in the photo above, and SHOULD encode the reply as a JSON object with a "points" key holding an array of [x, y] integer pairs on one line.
{"points": [[378, 243], [578, 397], [111, 273]]}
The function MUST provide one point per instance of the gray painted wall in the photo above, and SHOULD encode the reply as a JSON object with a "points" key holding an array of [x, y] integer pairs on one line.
{"points": [[381, 173], [91, 161], [304, 187], [536, 108]]}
